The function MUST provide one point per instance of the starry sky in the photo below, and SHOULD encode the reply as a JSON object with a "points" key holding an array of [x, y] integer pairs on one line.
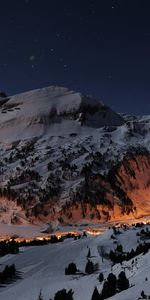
{"points": [[97, 47]]}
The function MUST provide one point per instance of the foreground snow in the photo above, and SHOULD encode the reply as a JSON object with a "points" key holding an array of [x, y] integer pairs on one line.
{"points": [[42, 268]]}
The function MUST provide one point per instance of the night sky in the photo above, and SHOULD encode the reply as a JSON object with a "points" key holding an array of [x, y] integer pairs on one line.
{"points": [[98, 47]]}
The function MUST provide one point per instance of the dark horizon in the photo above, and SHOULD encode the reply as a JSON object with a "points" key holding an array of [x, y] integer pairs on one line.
{"points": [[97, 47]]}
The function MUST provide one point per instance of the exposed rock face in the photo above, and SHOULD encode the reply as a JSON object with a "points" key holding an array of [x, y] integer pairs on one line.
{"points": [[123, 194], [133, 177]]}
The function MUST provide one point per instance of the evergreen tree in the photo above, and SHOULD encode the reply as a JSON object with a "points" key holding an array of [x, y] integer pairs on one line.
{"points": [[105, 291], [89, 267], [63, 295], [71, 269], [112, 283], [109, 287], [101, 277], [95, 295], [8, 273], [89, 254], [123, 282], [143, 295]]}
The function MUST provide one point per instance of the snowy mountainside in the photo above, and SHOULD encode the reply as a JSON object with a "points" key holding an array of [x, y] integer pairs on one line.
{"points": [[43, 267], [58, 154], [50, 111]]}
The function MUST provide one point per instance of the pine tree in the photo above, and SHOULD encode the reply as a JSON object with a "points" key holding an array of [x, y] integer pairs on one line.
{"points": [[63, 295], [95, 295], [89, 267], [105, 290], [109, 287], [71, 269], [89, 254], [143, 295], [122, 282], [101, 277], [112, 283]]}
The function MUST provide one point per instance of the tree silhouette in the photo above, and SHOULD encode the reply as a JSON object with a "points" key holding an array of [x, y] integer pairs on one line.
{"points": [[64, 295], [95, 295], [101, 277], [89, 254], [71, 269], [123, 282], [89, 267]]}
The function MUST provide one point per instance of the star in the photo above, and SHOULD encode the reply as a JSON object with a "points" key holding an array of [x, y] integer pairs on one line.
{"points": [[58, 35], [31, 57]]}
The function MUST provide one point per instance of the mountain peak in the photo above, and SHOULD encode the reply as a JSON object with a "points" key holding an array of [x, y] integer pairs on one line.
{"points": [[51, 110]]}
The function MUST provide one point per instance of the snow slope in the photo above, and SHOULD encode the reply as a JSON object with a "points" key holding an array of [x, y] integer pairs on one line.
{"points": [[43, 268], [38, 112]]}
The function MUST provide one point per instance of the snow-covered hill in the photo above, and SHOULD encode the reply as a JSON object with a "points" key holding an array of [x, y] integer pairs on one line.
{"points": [[43, 267], [68, 157]]}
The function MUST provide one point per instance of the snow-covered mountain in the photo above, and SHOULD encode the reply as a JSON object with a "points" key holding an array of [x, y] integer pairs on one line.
{"points": [[51, 111], [68, 157]]}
